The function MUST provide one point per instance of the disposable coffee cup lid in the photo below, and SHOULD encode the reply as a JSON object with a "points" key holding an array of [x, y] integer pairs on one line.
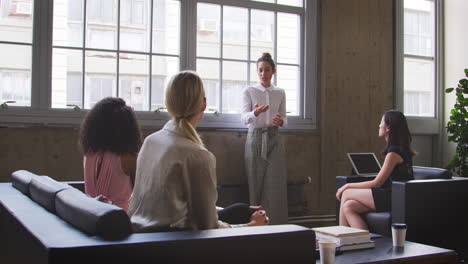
{"points": [[399, 225]]}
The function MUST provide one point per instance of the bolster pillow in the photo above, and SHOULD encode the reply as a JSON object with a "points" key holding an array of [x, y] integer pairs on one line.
{"points": [[91, 216], [43, 189], [20, 180]]}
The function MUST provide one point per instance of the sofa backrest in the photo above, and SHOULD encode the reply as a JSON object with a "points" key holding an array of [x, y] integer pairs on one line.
{"points": [[83, 212], [429, 173]]}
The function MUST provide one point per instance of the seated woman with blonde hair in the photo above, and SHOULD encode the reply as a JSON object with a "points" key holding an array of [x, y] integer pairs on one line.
{"points": [[175, 186]]}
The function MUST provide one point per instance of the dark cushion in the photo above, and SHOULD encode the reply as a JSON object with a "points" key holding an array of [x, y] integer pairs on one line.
{"points": [[21, 179], [91, 216], [43, 189], [427, 173], [379, 223]]}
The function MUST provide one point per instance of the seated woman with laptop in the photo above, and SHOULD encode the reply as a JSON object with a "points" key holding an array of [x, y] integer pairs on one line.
{"points": [[375, 195]]}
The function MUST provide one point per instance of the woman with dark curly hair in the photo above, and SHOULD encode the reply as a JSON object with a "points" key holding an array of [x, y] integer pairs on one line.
{"points": [[110, 138]]}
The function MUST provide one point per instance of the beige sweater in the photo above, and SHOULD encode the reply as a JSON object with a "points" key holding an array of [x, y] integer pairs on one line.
{"points": [[175, 184]]}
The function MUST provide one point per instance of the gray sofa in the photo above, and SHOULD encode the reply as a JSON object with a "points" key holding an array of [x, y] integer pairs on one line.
{"points": [[45, 221]]}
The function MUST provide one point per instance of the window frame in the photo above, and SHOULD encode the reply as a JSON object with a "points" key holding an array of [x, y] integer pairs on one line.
{"points": [[419, 124], [41, 113]]}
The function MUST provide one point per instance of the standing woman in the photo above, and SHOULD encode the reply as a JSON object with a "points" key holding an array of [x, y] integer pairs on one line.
{"points": [[110, 139], [263, 111], [375, 195]]}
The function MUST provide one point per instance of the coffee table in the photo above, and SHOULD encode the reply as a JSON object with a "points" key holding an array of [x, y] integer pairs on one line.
{"points": [[384, 252]]}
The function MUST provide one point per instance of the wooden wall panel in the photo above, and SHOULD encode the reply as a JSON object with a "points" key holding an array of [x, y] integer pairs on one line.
{"points": [[356, 84]]}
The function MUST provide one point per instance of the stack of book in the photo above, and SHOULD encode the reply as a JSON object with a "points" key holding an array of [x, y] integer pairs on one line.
{"points": [[346, 238]]}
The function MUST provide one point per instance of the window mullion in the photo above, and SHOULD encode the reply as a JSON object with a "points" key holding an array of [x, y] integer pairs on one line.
{"points": [[249, 29], [117, 77], [41, 55], [309, 60], [83, 75], [188, 38], [220, 74], [150, 81]]}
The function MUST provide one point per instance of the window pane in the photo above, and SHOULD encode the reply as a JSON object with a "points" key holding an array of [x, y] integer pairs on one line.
{"points": [[16, 20], [134, 40], [67, 72], [419, 78], [134, 80], [166, 26], [208, 34], [290, 2], [209, 72], [288, 38], [162, 71], [419, 27], [134, 25], [101, 25], [234, 81], [253, 74], [15, 74], [288, 79], [235, 33], [261, 33], [100, 74], [68, 23]]}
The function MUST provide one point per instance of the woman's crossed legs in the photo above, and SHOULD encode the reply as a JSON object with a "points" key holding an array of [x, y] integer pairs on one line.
{"points": [[354, 202]]}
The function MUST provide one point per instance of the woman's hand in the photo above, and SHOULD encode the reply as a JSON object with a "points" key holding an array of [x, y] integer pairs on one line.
{"points": [[278, 121], [260, 109], [258, 218], [340, 191]]}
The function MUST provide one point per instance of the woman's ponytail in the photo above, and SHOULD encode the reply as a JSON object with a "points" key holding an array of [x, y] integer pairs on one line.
{"points": [[185, 96], [189, 131]]}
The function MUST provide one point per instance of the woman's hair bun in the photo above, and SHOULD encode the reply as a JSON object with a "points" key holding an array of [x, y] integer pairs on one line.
{"points": [[266, 54]]}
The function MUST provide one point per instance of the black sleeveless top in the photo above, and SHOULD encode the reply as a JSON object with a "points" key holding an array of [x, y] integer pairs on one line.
{"points": [[401, 172]]}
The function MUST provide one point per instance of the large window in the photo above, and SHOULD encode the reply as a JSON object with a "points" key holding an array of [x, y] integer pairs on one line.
{"points": [[16, 44], [419, 58], [229, 41], [91, 49], [113, 48]]}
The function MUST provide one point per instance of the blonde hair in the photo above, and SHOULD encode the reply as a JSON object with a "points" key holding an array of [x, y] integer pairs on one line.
{"points": [[184, 99]]}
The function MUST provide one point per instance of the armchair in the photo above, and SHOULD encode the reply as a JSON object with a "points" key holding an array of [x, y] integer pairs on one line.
{"points": [[434, 206]]}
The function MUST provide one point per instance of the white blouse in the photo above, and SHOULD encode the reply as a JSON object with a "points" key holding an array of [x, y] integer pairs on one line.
{"points": [[273, 96], [175, 184]]}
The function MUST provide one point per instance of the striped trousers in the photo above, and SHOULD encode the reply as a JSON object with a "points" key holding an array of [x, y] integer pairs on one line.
{"points": [[266, 172]]}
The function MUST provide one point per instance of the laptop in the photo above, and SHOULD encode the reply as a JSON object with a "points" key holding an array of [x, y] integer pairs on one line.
{"points": [[364, 163]]}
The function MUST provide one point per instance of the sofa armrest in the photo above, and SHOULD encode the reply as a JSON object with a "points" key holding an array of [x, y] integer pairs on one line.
{"points": [[435, 211], [342, 180]]}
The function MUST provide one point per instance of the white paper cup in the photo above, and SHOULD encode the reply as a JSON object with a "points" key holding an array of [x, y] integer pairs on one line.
{"points": [[327, 252], [398, 234]]}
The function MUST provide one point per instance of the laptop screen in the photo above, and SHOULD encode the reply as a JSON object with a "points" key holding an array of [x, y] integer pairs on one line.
{"points": [[364, 163]]}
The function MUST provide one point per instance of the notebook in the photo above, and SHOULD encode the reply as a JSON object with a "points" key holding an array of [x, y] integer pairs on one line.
{"points": [[364, 163]]}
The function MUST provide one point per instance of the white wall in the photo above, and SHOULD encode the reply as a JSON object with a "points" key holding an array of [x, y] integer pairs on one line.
{"points": [[456, 58]]}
